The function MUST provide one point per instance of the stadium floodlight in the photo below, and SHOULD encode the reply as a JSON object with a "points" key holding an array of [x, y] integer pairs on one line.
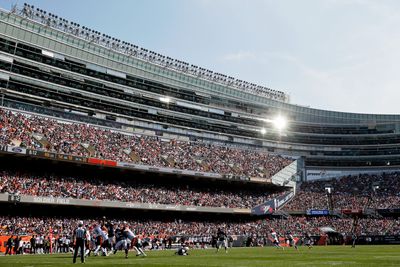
{"points": [[279, 123], [328, 189], [165, 99], [375, 186], [263, 131]]}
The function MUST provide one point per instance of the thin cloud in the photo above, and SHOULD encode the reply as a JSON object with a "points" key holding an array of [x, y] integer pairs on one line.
{"points": [[240, 56]]}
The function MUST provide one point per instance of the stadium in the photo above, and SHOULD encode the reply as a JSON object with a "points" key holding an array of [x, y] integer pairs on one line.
{"points": [[98, 131]]}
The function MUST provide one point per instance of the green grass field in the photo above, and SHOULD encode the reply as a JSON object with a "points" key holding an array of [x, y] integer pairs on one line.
{"points": [[318, 256]]}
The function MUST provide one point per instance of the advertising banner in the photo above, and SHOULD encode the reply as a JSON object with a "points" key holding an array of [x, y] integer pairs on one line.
{"points": [[318, 212], [265, 208], [271, 205], [71, 158], [16, 150], [279, 201], [352, 211], [104, 162], [378, 239], [388, 211]]}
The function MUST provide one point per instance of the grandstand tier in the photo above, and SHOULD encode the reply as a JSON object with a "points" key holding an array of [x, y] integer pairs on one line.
{"points": [[63, 72], [64, 183], [82, 140]]}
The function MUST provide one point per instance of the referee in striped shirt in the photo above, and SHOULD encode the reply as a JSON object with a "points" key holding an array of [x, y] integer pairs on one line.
{"points": [[79, 237]]}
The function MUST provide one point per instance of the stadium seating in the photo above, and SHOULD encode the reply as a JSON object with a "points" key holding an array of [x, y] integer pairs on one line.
{"points": [[85, 140], [96, 188], [350, 192], [296, 225]]}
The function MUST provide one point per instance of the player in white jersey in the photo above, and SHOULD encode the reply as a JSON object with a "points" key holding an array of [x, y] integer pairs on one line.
{"points": [[136, 241], [93, 241], [104, 236], [37, 244], [88, 242], [275, 239], [138, 246], [40, 242]]}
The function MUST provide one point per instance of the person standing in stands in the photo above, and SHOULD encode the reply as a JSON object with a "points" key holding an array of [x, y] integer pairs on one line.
{"points": [[79, 238]]}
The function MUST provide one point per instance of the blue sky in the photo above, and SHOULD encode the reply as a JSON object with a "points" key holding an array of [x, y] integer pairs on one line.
{"points": [[331, 54]]}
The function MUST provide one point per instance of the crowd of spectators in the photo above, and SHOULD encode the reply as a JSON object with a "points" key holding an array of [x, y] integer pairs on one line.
{"points": [[298, 226], [95, 188], [377, 191], [85, 140]]}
